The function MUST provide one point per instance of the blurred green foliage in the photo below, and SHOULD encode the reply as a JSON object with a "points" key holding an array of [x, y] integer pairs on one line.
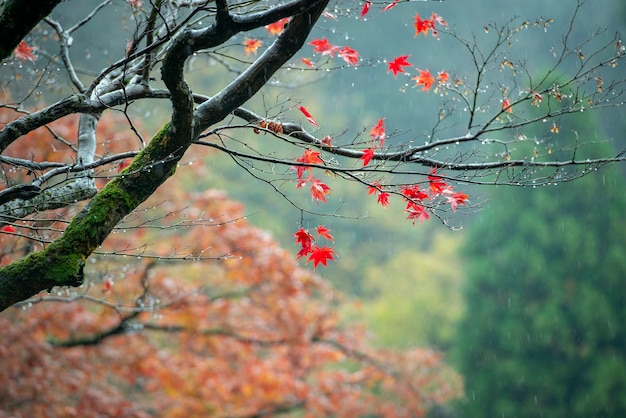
{"points": [[543, 333]]}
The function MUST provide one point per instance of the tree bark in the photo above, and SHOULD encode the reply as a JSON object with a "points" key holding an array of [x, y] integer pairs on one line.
{"points": [[62, 262], [17, 18]]}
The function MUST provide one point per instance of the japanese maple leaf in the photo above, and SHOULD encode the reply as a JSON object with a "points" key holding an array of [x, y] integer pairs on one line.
{"points": [[305, 240], [367, 156], [7, 229], [390, 5], [307, 62], [396, 65], [277, 28], [425, 79], [322, 231], [320, 255], [319, 190], [24, 52], [251, 45], [437, 185], [456, 199], [506, 106], [383, 199], [322, 46], [308, 157], [423, 25], [378, 132], [443, 77], [413, 192], [349, 55], [365, 8], [417, 212], [308, 116], [373, 187]]}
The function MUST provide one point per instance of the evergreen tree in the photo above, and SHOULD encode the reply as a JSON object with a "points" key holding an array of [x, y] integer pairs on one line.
{"points": [[544, 334]]}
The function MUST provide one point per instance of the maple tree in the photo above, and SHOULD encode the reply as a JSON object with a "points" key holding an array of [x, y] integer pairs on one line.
{"points": [[426, 178], [242, 331]]}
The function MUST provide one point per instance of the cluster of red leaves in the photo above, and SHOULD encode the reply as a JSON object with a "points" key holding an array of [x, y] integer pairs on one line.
{"points": [[323, 47], [319, 255]]}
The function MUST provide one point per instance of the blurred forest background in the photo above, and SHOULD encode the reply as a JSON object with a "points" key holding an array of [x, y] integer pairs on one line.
{"points": [[527, 295]]}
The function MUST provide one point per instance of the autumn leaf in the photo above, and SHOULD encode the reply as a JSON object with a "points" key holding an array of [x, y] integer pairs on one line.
{"points": [[277, 28], [308, 116], [443, 77], [422, 25], [7, 229], [308, 157], [251, 45], [349, 55], [367, 156], [413, 192], [322, 46], [307, 62], [305, 240], [436, 184], [417, 212], [383, 199], [457, 199], [25, 52], [365, 8], [506, 106], [320, 255], [396, 65], [425, 79], [322, 231], [378, 132], [390, 5], [327, 141], [319, 190]]}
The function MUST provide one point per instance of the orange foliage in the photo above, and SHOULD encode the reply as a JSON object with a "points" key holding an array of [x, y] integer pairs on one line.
{"points": [[246, 334]]}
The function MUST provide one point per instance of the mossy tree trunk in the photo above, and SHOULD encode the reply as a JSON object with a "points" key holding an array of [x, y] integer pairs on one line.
{"points": [[62, 262]]}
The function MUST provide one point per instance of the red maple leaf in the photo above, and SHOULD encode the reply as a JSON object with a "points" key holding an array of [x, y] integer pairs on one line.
{"points": [[417, 212], [373, 187], [443, 77], [367, 156], [425, 79], [308, 157], [413, 192], [396, 65], [307, 62], [365, 9], [383, 199], [277, 28], [308, 116], [251, 45], [322, 231], [321, 255], [423, 25], [349, 55], [457, 199], [390, 5], [437, 186], [378, 132], [305, 240], [319, 190], [506, 106], [8, 229], [322, 46], [24, 52]]}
